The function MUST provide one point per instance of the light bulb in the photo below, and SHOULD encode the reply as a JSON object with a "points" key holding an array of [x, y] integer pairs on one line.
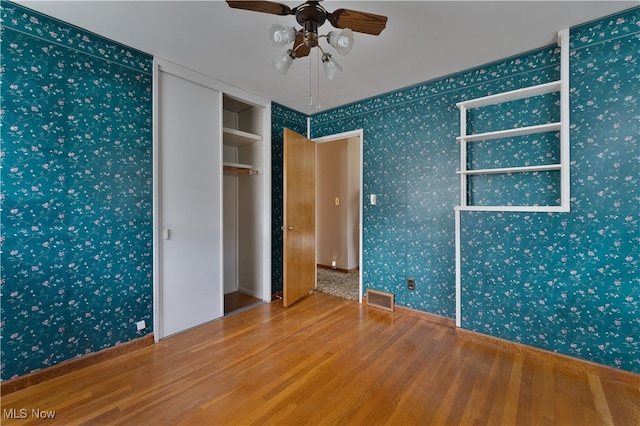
{"points": [[341, 40], [281, 36]]}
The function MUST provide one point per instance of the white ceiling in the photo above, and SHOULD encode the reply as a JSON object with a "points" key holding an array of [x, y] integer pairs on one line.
{"points": [[423, 40]]}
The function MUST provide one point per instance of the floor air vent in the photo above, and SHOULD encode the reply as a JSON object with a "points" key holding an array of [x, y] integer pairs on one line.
{"points": [[380, 300]]}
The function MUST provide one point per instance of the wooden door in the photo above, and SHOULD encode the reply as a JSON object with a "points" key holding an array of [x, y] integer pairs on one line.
{"points": [[299, 198]]}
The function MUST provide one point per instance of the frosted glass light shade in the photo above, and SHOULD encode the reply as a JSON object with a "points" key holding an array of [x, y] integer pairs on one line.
{"points": [[341, 40], [282, 36], [331, 67], [283, 61]]}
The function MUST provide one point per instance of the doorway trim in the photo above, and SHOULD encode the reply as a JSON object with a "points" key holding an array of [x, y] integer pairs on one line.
{"points": [[359, 133]]}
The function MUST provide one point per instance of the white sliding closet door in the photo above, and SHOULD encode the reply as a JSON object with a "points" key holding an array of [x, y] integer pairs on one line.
{"points": [[190, 198]]}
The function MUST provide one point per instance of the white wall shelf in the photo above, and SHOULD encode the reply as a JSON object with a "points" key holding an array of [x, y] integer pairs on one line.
{"points": [[561, 126], [527, 209], [519, 131], [513, 95], [511, 170]]}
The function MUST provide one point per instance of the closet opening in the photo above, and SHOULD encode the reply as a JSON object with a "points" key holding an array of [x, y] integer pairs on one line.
{"points": [[243, 183]]}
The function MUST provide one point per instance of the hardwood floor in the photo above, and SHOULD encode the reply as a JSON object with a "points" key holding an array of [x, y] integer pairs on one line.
{"points": [[326, 360], [238, 300]]}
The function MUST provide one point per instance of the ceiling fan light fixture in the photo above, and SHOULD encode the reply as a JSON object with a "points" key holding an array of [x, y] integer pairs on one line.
{"points": [[331, 67], [341, 40], [282, 36], [283, 61], [310, 15]]}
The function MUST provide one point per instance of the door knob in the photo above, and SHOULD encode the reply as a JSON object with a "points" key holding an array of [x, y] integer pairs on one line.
{"points": [[287, 228]]}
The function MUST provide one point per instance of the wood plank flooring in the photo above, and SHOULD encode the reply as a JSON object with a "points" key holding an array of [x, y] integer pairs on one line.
{"points": [[325, 360], [237, 300]]}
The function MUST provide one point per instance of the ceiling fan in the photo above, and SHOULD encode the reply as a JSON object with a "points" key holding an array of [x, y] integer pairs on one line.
{"points": [[311, 15]]}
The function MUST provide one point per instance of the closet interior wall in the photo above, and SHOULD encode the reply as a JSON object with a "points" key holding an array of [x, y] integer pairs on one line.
{"points": [[243, 153]]}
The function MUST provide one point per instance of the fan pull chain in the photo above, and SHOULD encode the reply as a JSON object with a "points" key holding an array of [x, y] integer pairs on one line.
{"points": [[310, 83], [318, 106]]}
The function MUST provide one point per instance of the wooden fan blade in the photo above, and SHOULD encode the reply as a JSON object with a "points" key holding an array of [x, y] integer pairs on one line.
{"points": [[299, 47], [361, 22], [262, 6]]}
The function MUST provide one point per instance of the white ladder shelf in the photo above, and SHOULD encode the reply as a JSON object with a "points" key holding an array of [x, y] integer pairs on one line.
{"points": [[562, 126]]}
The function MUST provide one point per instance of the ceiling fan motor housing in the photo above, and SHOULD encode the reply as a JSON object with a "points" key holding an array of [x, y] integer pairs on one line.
{"points": [[311, 16]]}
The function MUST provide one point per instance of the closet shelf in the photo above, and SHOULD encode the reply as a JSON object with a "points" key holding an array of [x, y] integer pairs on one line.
{"points": [[505, 170], [520, 131], [235, 137], [240, 169]]}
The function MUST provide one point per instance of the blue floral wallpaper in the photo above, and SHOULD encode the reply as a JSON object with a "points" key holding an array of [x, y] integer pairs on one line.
{"points": [[565, 282], [281, 118], [76, 195]]}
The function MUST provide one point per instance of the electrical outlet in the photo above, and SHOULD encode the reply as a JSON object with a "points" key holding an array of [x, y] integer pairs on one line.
{"points": [[411, 283], [141, 325]]}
